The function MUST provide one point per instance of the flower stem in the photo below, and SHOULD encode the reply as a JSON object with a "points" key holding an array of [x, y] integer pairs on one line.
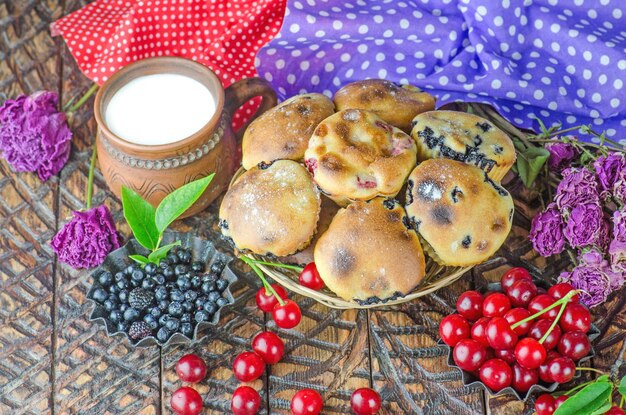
{"points": [[268, 287], [621, 402], [557, 303], [277, 265], [83, 99], [92, 166], [554, 323]]}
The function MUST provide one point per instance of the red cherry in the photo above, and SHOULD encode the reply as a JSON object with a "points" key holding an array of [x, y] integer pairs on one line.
{"points": [[500, 335], [453, 328], [513, 275], [469, 354], [524, 378], [246, 401], [496, 305], [479, 331], [615, 410], [544, 405], [558, 291], [470, 305], [559, 401], [310, 278], [496, 374], [562, 369], [576, 317], [544, 373], [365, 401], [529, 353], [306, 402], [518, 314], [541, 302], [575, 345], [269, 346], [288, 315], [186, 401], [521, 292], [508, 355], [540, 328], [248, 366], [190, 368], [266, 301]]}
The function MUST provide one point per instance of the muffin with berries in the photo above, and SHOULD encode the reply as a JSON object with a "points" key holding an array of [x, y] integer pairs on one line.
{"points": [[464, 137], [271, 209], [462, 215], [283, 132], [370, 253], [395, 104], [354, 155]]}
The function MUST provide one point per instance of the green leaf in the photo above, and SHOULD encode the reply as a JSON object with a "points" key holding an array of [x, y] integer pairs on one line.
{"points": [[140, 217], [622, 387], [529, 163], [158, 254], [600, 411], [588, 400], [177, 202], [139, 258]]}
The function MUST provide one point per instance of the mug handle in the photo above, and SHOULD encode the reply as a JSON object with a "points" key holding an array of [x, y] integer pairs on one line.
{"points": [[241, 92]]}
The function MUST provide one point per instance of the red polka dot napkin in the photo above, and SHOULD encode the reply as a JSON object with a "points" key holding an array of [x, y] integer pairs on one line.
{"points": [[224, 35]]}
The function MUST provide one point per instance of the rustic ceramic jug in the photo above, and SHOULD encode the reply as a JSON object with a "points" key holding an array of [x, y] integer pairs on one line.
{"points": [[154, 171]]}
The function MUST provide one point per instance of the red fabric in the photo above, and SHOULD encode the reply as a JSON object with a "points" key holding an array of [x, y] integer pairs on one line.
{"points": [[224, 35]]}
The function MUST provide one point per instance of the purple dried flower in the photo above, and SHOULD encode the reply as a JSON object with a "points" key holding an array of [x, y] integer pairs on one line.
{"points": [[592, 280], [34, 136], [584, 225], [561, 155], [86, 240], [608, 169], [546, 232], [617, 247], [619, 188], [578, 186]]}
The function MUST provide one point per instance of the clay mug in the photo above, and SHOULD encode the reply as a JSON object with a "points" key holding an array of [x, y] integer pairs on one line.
{"points": [[154, 171]]}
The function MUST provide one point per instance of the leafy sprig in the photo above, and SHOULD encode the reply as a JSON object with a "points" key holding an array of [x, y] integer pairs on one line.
{"points": [[149, 223], [594, 397]]}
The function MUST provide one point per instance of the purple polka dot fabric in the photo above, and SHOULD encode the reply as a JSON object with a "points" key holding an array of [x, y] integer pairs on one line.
{"points": [[556, 60]]}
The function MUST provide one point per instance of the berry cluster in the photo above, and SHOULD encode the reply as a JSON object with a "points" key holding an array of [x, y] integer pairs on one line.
{"points": [[520, 336], [162, 300], [186, 400]]}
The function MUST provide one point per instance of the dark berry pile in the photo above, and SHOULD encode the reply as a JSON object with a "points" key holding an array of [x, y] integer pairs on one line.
{"points": [[162, 300]]}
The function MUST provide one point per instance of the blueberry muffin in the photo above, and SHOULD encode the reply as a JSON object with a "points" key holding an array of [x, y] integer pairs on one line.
{"points": [[370, 252], [271, 209], [396, 105], [354, 155], [464, 137], [461, 214], [283, 132]]}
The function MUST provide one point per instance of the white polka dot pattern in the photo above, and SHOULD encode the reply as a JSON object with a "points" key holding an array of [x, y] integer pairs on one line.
{"points": [[221, 34], [557, 60]]}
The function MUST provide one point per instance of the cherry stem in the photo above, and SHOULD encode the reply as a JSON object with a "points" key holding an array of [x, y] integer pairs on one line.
{"points": [[557, 303], [590, 369], [83, 99], [554, 323], [621, 402], [268, 288], [92, 166], [277, 265]]}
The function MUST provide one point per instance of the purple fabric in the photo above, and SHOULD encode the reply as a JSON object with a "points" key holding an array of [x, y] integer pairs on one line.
{"points": [[561, 61], [34, 136], [86, 240]]}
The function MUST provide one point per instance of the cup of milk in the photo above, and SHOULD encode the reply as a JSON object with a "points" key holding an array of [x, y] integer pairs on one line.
{"points": [[166, 121]]}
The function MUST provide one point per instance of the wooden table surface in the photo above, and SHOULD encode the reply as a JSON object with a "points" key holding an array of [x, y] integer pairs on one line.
{"points": [[53, 360]]}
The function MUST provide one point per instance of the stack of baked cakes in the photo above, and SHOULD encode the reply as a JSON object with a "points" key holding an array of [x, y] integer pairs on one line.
{"points": [[368, 184]]}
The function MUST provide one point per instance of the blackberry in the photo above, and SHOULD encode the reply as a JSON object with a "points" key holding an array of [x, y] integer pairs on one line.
{"points": [[210, 307], [201, 316], [140, 298], [221, 285], [123, 296], [214, 295], [172, 324], [191, 295], [177, 295], [217, 267], [139, 330], [160, 293], [221, 302], [163, 334], [150, 268], [181, 269], [151, 321], [188, 306], [100, 295], [105, 279], [186, 329], [131, 314], [196, 281], [197, 266], [175, 308], [115, 316], [148, 284], [208, 286], [183, 282], [159, 278], [122, 326]]}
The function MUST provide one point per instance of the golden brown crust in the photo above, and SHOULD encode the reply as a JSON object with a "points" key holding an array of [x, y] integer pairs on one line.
{"points": [[368, 252], [283, 132], [396, 105], [461, 213], [271, 210], [464, 137], [354, 155]]}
